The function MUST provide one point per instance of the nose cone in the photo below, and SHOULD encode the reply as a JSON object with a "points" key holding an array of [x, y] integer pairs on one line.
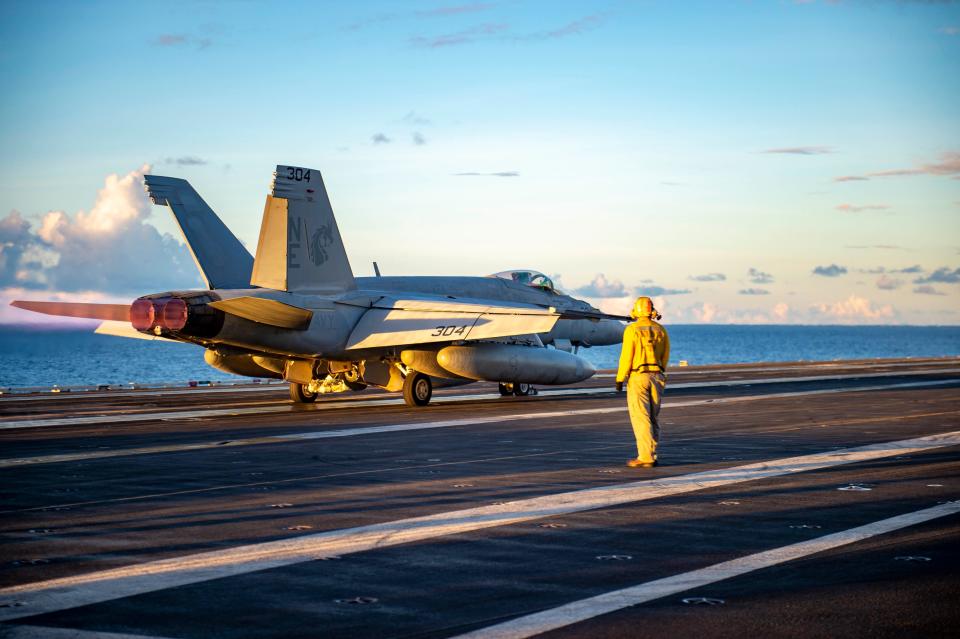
{"points": [[585, 369]]}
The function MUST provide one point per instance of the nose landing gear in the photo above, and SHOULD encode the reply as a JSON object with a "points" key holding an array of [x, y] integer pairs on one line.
{"points": [[513, 388]]}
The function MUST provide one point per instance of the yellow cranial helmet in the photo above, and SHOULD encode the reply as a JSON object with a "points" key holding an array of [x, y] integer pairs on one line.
{"points": [[643, 307]]}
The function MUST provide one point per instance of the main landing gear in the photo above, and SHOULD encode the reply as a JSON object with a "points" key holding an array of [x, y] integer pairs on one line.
{"points": [[514, 388], [299, 393], [417, 389]]}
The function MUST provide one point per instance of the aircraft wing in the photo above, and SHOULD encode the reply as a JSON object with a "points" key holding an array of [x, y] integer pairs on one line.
{"points": [[396, 321]]}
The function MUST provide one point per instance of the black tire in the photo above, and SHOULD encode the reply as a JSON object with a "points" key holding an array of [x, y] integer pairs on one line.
{"points": [[353, 380], [417, 389], [299, 394], [521, 390], [506, 390]]}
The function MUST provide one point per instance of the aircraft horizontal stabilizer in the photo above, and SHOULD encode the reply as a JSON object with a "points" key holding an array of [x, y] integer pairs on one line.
{"points": [[396, 322], [124, 329], [114, 312], [266, 311]]}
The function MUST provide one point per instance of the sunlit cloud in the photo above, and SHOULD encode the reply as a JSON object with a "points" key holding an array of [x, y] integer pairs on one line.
{"points": [[916, 268], [886, 283], [415, 119], [851, 208], [574, 27], [494, 174], [926, 289], [186, 160], [109, 248], [853, 309], [600, 286], [654, 291], [455, 10], [708, 277], [943, 275], [949, 165], [502, 32], [448, 11], [182, 40], [759, 277], [800, 150], [464, 36], [832, 270]]}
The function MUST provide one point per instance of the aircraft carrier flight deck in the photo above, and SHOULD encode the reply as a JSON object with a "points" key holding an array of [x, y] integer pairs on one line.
{"points": [[813, 499]]}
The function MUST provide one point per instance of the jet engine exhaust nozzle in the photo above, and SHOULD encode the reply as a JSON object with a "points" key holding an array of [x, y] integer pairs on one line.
{"points": [[187, 314], [142, 314]]}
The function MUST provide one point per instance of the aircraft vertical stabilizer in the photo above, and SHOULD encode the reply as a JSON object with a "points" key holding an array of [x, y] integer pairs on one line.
{"points": [[222, 259], [300, 247]]}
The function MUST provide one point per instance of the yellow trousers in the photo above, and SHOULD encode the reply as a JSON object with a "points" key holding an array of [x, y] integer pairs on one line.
{"points": [[644, 393]]}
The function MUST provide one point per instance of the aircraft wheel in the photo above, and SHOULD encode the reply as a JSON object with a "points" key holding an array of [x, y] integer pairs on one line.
{"points": [[300, 394], [521, 390], [506, 390], [417, 389], [353, 380]]}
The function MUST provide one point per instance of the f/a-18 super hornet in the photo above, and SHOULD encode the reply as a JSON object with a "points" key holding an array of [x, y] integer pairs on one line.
{"points": [[296, 312]]}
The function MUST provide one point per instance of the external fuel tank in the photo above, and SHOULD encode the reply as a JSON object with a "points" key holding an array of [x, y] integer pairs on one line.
{"points": [[514, 363]]}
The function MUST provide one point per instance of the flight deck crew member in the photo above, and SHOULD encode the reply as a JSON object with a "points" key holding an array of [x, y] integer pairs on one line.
{"points": [[643, 362]]}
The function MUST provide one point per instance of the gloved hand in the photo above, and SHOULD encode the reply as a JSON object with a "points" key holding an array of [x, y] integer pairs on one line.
{"points": [[619, 386]]}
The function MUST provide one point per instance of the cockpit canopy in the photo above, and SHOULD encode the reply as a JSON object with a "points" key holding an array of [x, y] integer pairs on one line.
{"points": [[534, 279]]}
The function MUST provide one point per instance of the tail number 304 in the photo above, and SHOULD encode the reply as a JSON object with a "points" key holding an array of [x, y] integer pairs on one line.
{"points": [[447, 331], [298, 174]]}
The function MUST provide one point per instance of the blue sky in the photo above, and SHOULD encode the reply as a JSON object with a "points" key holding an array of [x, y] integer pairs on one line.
{"points": [[807, 152]]}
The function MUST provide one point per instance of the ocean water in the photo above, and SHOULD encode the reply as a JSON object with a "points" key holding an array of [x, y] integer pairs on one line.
{"points": [[43, 358]]}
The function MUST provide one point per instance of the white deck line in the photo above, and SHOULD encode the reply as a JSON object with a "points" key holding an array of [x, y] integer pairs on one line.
{"points": [[116, 583], [693, 370], [395, 428], [288, 408], [585, 609], [50, 632]]}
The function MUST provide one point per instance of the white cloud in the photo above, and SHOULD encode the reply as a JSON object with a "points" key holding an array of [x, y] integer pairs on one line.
{"points": [[759, 277], [600, 286], [833, 270], [780, 312], [705, 312], [801, 150], [852, 208], [852, 310], [885, 283], [708, 277], [108, 248]]}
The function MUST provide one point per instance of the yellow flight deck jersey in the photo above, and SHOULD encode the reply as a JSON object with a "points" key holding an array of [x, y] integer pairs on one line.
{"points": [[646, 349]]}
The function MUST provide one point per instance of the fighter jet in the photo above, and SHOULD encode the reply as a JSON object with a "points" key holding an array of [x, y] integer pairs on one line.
{"points": [[297, 312]]}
